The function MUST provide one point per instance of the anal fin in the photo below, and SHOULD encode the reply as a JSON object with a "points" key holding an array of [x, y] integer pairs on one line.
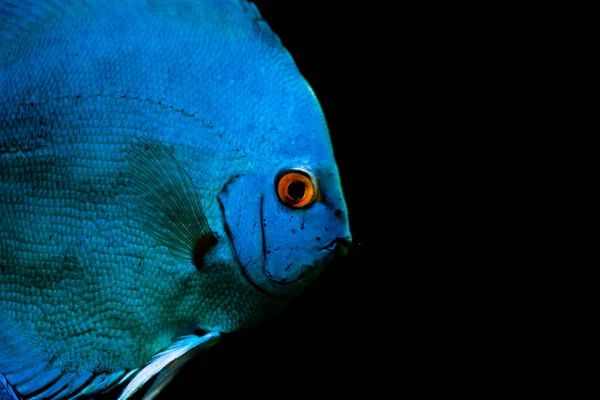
{"points": [[7, 391], [173, 357]]}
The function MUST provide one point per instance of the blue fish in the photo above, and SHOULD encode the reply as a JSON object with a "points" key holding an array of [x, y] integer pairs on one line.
{"points": [[166, 177]]}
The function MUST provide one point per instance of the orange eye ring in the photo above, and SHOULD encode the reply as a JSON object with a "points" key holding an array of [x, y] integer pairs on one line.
{"points": [[296, 189]]}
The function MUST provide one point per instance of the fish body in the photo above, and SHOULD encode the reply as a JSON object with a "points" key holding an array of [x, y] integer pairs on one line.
{"points": [[165, 169]]}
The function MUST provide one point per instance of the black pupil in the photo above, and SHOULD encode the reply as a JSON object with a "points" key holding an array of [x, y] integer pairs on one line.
{"points": [[296, 190]]}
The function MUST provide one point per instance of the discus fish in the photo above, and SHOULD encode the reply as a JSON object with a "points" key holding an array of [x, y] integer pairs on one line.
{"points": [[166, 177]]}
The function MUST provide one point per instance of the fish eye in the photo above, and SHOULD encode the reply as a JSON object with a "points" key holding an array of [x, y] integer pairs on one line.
{"points": [[296, 188]]}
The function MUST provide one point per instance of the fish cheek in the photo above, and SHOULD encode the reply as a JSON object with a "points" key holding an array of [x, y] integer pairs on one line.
{"points": [[241, 205], [296, 240]]}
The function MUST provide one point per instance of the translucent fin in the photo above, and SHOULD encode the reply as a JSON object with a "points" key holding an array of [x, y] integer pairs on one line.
{"points": [[102, 383], [19, 354], [168, 204], [180, 348], [22, 363], [75, 385], [128, 375], [7, 391], [167, 374], [41, 380], [28, 371], [20, 376], [48, 391]]}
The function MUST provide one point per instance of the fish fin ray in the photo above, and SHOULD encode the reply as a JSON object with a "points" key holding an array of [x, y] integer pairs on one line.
{"points": [[101, 383], [33, 375], [167, 375], [21, 359], [181, 350], [168, 204]]}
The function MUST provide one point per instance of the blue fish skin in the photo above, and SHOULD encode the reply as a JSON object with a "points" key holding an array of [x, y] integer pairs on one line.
{"points": [[203, 98]]}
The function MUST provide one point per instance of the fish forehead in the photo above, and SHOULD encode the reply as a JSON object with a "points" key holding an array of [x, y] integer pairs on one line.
{"points": [[215, 62]]}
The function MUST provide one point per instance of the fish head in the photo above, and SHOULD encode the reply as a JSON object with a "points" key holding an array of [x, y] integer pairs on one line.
{"points": [[292, 221], [285, 213]]}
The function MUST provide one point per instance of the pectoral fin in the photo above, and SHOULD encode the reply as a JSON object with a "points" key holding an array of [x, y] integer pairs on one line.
{"points": [[167, 203]]}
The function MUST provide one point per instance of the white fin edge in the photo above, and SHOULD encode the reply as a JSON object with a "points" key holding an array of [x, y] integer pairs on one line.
{"points": [[166, 376], [164, 358]]}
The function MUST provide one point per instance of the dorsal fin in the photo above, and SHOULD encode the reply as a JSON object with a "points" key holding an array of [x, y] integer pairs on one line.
{"points": [[20, 17]]}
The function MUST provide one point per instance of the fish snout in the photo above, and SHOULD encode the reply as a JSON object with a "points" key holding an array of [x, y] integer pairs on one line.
{"points": [[339, 246]]}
